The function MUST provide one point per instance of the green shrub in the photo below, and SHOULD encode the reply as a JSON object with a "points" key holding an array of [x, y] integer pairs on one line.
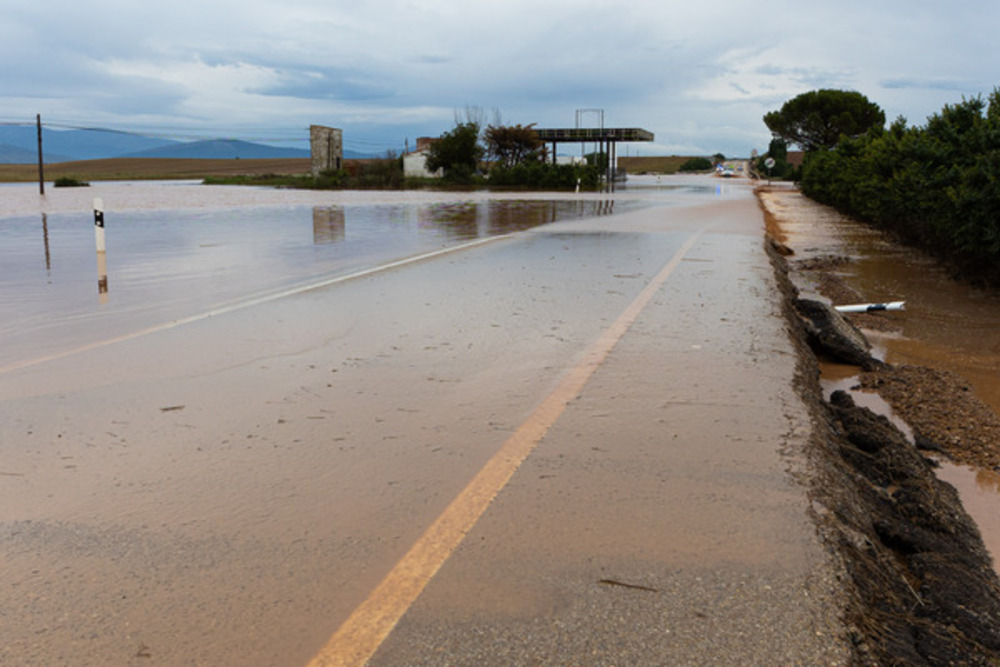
{"points": [[936, 186], [697, 164], [546, 175], [70, 182]]}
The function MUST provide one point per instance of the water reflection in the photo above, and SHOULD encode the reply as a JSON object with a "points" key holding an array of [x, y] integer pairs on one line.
{"points": [[102, 276], [464, 221], [458, 221], [45, 236], [978, 490], [329, 224], [170, 263], [686, 185], [988, 480]]}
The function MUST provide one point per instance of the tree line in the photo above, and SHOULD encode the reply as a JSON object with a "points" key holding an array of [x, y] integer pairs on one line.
{"points": [[471, 153], [936, 186], [504, 156]]}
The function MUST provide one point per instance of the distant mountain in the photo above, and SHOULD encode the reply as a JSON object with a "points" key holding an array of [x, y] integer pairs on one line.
{"points": [[354, 155], [98, 144], [18, 155], [65, 145], [221, 149], [19, 145], [17, 136]]}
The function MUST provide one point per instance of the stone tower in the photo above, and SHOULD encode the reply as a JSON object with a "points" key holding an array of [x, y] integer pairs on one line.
{"points": [[326, 145]]}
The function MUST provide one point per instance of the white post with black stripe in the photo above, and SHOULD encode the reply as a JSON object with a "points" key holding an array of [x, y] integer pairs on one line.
{"points": [[102, 259], [99, 223], [871, 307]]}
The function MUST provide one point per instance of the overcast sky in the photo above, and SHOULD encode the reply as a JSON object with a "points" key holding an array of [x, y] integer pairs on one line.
{"points": [[698, 74]]}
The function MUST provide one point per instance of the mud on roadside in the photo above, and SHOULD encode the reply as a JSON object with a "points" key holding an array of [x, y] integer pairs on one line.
{"points": [[919, 583]]}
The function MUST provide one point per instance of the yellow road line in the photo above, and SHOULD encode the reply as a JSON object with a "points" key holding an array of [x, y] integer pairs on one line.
{"points": [[365, 630]]}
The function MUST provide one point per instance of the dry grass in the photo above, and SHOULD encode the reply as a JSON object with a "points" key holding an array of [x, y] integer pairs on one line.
{"points": [[152, 168]]}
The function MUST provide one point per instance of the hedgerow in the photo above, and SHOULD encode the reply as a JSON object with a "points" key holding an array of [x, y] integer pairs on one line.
{"points": [[537, 174], [936, 186]]}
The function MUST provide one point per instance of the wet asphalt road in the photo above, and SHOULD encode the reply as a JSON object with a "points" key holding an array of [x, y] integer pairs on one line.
{"points": [[232, 489]]}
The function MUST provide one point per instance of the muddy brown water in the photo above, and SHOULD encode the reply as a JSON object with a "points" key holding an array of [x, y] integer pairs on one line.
{"points": [[947, 324], [227, 484], [164, 264]]}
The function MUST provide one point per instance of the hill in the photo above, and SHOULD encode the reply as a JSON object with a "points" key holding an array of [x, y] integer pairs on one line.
{"points": [[220, 149], [19, 145], [62, 145], [96, 144], [19, 155]]}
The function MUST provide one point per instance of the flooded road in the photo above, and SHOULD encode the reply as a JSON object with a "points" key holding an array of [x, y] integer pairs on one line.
{"points": [[273, 412], [164, 265], [947, 324]]}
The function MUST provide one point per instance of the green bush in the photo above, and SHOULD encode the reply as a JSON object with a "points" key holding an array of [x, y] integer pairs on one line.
{"points": [[777, 151], [546, 175], [697, 164], [457, 152], [70, 182], [936, 186]]}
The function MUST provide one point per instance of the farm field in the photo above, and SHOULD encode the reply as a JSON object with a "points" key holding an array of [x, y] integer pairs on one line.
{"points": [[151, 168], [127, 169], [669, 164]]}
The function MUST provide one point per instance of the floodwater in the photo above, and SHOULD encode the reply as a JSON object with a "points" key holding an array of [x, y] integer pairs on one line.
{"points": [[165, 264], [231, 489], [947, 324]]}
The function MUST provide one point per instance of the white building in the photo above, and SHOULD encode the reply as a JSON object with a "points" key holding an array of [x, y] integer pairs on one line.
{"points": [[415, 163]]}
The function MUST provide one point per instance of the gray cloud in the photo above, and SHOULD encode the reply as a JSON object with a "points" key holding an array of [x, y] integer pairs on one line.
{"points": [[924, 84], [699, 75]]}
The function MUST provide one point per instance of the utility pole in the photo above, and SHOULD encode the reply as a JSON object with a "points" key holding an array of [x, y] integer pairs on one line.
{"points": [[41, 169]]}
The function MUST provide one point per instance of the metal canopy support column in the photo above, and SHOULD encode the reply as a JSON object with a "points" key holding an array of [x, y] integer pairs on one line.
{"points": [[599, 135]]}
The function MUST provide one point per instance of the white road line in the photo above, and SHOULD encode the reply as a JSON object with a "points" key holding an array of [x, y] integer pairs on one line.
{"points": [[240, 305]]}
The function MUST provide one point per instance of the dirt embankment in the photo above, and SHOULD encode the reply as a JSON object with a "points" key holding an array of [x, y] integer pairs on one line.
{"points": [[920, 583]]}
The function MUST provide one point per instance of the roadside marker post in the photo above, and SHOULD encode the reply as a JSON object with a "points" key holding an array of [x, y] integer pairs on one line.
{"points": [[102, 258], [99, 223], [871, 307]]}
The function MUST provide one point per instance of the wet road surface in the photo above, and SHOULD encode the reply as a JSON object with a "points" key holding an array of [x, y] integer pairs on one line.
{"points": [[232, 489]]}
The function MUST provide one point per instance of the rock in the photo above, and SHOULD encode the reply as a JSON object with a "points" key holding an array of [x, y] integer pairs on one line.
{"points": [[780, 247], [832, 335]]}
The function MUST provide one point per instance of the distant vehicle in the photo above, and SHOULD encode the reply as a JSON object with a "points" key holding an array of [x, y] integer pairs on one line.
{"points": [[726, 170]]}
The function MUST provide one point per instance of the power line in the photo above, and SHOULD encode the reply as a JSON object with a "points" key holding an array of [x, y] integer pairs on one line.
{"points": [[263, 135], [184, 134]]}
